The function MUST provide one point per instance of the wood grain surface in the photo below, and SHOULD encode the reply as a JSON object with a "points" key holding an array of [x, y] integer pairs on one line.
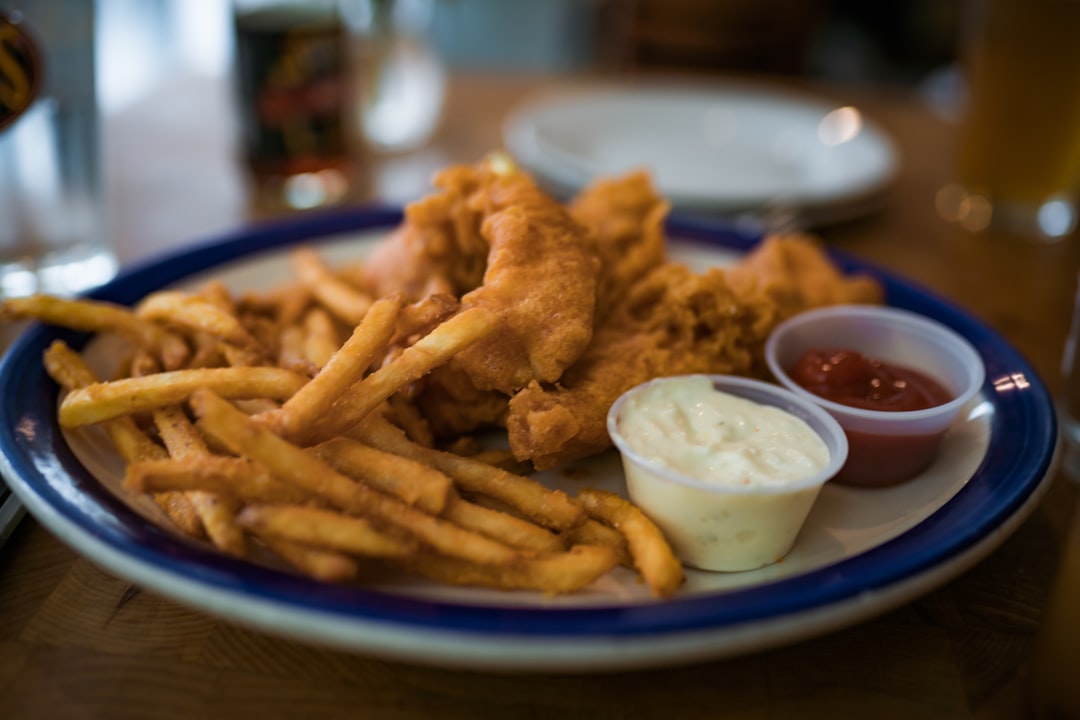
{"points": [[77, 642]]}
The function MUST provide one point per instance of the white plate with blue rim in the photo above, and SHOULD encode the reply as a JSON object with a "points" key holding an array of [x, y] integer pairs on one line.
{"points": [[730, 146], [861, 553]]}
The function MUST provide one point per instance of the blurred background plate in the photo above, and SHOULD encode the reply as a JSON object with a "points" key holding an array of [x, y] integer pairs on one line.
{"points": [[734, 147]]}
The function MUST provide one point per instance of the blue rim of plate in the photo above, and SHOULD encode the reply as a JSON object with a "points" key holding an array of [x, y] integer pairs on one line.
{"points": [[44, 472]]}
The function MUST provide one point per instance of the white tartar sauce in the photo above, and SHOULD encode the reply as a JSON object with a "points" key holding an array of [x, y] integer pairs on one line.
{"points": [[693, 429]]}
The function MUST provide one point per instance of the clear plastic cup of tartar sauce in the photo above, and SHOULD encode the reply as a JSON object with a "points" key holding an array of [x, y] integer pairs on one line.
{"points": [[728, 467]]}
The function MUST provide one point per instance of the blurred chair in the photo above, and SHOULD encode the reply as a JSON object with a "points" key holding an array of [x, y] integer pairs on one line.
{"points": [[762, 36]]}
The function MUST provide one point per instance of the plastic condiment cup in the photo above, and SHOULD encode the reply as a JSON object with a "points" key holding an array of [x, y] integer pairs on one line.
{"points": [[885, 447], [719, 524]]}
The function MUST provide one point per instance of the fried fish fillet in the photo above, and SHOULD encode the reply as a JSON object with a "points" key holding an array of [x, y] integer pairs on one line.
{"points": [[589, 303], [672, 322], [541, 279], [438, 248], [794, 272], [492, 238], [626, 217]]}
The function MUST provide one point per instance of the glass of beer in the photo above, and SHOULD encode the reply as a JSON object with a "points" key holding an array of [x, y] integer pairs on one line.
{"points": [[1018, 166], [291, 85]]}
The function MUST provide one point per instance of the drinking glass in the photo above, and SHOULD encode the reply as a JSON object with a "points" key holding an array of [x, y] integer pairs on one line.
{"points": [[397, 75], [290, 79], [53, 237], [1018, 167]]}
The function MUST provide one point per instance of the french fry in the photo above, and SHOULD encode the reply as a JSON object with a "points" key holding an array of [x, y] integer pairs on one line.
{"points": [[242, 357], [218, 516], [103, 401], [291, 303], [141, 363], [195, 314], [67, 367], [502, 458], [324, 529], [341, 299], [181, 438], [237, 478], [216, 512], [71, 372], [181, 512], [208, 352], [352, 272], [423, 316], [285, 303], [501, 526], [325, 565], [345, 367], [293, 464], [551, 508], [429, 489], [216, 293], [256, 406], [321, 337], [265, 331], [100, 317], [291, 353], [432, 350], [409, 418], [592, 532], [651, 553], [414, 482], [552, 574]]}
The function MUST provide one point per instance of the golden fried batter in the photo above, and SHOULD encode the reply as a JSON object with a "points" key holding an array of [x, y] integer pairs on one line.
{"points": [[454, 407], [495, 240], [794, 272], [589, 305], [438, 247], [671, 322], [674, 322], [541, 279], [626, 217]]}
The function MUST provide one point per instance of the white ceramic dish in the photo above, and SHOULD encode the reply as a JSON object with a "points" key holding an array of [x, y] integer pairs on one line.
{"points": [[860, 553], [730, 147]]}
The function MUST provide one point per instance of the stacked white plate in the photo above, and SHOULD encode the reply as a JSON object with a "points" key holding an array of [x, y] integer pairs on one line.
{"points": [[731, 147]]}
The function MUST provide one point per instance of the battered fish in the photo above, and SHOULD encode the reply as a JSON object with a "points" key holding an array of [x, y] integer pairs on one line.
{"points": [[541, 278], [626, 217], [589, 303], [438, 248], [675, 322], [492, 238]]}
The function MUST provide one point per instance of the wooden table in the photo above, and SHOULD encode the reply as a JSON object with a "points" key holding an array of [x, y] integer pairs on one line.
{"points": [[78, 642]]}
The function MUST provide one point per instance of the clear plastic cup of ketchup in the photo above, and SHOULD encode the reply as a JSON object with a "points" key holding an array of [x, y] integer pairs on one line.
{"points": [[895, 380]]}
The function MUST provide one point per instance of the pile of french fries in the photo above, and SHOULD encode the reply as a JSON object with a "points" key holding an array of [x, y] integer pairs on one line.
{"points": [[280, 422]]}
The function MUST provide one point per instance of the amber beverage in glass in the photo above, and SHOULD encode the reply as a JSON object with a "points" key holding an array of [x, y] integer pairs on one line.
{"points": [[290, 80], [1018, 166]]}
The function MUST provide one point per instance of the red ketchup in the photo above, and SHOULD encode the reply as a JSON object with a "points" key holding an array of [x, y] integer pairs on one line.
{"points": [[850, 378]]}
